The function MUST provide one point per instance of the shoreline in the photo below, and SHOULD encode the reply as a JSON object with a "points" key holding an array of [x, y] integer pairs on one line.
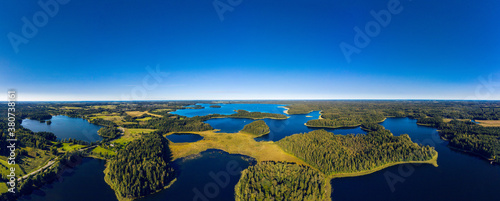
{"points": [[286, 109], [334, 127], [432, 161]]}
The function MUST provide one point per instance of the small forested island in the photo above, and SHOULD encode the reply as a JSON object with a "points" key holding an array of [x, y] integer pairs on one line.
{"points": [[215, 106], [141, 168], [257, 128], [271, 180]]}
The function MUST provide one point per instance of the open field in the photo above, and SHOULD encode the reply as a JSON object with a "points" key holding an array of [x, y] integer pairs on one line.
{"points": [[100, 150], [489, 123], [139, 113], [131, 134], [67, 147], [233, 143]]}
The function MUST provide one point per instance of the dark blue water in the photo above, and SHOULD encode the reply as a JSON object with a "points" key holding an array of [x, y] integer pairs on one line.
{"points": [[459, 176], [184, 137], [83, 183], [278, 128], [227, 109], [66, 127], [210, 176]]}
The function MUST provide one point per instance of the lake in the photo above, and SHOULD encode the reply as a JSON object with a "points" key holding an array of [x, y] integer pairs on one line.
{"points": [[66, 127], [184, 137], [211, 175], [227, 109], [83, 183], [459, 176]]}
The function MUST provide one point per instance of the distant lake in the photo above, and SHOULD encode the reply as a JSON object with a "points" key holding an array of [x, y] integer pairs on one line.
{"points": [[278, 128], [66, 127], [184, 137], [83, 183], [203, 177], [227, 109]]}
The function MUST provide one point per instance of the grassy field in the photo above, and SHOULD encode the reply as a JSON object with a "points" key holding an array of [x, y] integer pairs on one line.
{"points": [[489, 123], [100, 150], [3, 188], [445, 120], [104, 106], [139, 113], [233, 143], [131, 134], [4, 168], [144, 119], [70, 147]]}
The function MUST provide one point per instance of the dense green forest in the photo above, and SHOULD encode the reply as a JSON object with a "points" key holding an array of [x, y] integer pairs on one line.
{"points": [[332, 153], [257, 128], [271, 180], [469, 136], [142, 167], [345, 120], [109, 133]]}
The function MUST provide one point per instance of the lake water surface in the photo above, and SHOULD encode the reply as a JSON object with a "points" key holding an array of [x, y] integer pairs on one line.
{"points": [[184, 137], [459, 176], [83, 183], [66, 127]]}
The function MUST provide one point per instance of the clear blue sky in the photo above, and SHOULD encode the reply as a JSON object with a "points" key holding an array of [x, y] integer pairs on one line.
{"points": [[262, 49]]}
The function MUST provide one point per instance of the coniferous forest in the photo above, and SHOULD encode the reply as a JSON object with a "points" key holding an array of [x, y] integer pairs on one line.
{"points": [[332, 153], [271, 180], [257, 128], [142, 167]]}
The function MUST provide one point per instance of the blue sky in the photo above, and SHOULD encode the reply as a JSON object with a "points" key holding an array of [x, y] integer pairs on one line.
{"points": [[273, 49]]}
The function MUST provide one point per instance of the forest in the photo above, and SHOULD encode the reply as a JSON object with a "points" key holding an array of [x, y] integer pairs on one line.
{"points": [[141, 168], [468, 136], [333, 154], [257, 128], [284, 181]]}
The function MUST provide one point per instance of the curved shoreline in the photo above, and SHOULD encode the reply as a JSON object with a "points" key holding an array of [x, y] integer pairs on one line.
{"points": [[432, 161], [354, 126]]}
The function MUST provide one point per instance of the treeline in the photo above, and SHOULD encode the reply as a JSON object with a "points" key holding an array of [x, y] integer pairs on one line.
{"points": [[257, 128], [142, 167], [345, 120], [471, 137], [175, 124], [109, 133], [332, 153], [271, 180]]}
